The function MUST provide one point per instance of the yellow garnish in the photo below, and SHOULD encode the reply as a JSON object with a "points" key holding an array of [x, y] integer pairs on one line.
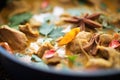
{"points": [[69, 36]]}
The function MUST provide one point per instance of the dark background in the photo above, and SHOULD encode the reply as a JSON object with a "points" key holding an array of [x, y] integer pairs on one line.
{"points": [[3, 74], [2, 3]]}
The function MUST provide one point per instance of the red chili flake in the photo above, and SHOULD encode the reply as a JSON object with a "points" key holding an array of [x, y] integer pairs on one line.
{"points": [[44, 4], [49, 53], [114, 44]]}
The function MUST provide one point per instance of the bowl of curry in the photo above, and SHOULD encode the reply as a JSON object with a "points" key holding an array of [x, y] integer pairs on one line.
{"points": [[63, 37]]}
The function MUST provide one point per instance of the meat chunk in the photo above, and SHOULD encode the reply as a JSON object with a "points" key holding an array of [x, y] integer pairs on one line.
{"points": [[28, 30], [16, 39], [52, 61], [108, 57], [105, 39], [51, 57], [43, 48], [103, 53], [98, 63], [83, 37], [112, 54]]}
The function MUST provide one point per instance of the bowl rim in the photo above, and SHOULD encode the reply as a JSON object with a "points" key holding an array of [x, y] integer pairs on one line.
{"points": [[98, 73]]}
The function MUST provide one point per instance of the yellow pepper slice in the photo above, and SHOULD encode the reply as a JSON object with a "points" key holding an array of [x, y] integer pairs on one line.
{"points": [[69, 36]]}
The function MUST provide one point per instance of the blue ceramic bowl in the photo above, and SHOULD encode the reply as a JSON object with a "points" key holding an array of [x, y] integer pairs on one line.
{"points": [[22, 71]]}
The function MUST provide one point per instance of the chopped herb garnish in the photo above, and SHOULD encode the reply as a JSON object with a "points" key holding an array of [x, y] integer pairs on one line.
{"points": [[103, 6], [50, 30], [72, 58], [57, 32], [112, 27], [35, 58], [19, 18], [45, 29], [38, 62], [106, 25], [14, 26]]}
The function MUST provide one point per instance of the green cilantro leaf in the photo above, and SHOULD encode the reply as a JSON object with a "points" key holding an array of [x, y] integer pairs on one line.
{"points": [[19, 18], [45, 28], [57, 32], [112, 27], [14, 27], [38, 62], [36, 58], [72, 58], [106, 26], [50, 30], [103, 6]]}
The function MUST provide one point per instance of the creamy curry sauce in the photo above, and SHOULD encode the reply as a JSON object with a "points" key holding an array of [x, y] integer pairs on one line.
{"points": [[66, 34]]}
